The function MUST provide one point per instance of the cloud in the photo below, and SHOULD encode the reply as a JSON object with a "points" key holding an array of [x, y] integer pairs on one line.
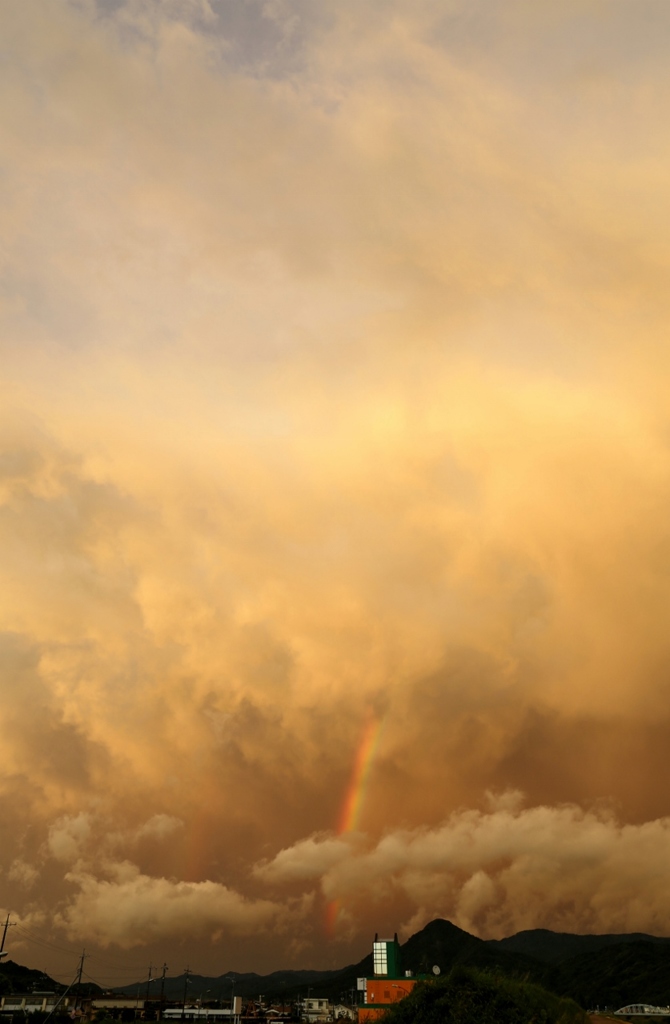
{"points": [[499, 872], [23, 873], [85, 837], [310, 858], [160, 826], [67, 836], [130, 909], [333, 344]]}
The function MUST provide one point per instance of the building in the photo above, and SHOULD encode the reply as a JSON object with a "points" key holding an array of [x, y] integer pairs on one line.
{"points": [[205, 1013], [33, 1002], [388, 984], [122, 1007], [313, 1010]]}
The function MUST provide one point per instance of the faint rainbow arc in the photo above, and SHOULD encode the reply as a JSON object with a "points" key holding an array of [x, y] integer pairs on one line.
{"points": [[355, 797], [353, 801]]}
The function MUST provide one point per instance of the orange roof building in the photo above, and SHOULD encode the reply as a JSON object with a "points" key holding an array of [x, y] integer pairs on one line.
{"points": [[388, 984]]}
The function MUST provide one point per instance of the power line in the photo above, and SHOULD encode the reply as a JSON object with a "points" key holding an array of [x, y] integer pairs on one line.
{"points": [[30, 937], [43, 942]]}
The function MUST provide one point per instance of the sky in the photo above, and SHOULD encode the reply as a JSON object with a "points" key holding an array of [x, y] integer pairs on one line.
{"points": [[334, 476]]}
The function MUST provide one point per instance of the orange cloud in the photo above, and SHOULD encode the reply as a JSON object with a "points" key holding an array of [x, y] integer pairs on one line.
{"points": [[335, 377], [497, 872]]}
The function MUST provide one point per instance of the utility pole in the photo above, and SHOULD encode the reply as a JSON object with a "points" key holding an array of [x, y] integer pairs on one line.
{"points": [[183, 1004], [3, 954], [77, 978], [160, 1007], [80, 971], [151, 967]]}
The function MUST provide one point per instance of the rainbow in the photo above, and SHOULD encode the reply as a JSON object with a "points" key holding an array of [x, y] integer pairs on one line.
{"points": [[353, 801], [354, 798]]}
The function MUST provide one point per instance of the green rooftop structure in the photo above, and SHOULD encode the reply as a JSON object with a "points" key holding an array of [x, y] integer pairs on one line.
{"points": [[386, 958]]}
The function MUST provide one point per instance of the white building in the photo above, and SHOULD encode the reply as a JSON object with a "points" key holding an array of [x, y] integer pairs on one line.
{"points": [[342, 1012], [205, 1013], [314, 1009]]}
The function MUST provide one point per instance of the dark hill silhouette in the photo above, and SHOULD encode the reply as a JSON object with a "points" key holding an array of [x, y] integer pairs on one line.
{"points": [[243, 984], [604, 970], [616, 975], [552, 947], [16, 978], [442, 944]]}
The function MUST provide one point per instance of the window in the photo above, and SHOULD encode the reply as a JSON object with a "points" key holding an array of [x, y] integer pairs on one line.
{"points": [[379, 958]]}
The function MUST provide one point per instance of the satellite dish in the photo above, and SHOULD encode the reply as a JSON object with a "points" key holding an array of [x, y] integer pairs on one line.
{"points": [[436, 969]]}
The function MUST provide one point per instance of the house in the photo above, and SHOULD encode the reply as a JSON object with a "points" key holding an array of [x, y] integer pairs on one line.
{"points": [[313, 1009], [342, 1012]]}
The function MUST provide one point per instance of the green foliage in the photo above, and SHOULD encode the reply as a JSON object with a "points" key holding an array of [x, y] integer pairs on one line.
{"points": [[469, 996]]}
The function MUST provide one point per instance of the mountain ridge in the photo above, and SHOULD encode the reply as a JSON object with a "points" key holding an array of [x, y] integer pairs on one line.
{"points": [[556, 946], [603, 969], [553, 959]]}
